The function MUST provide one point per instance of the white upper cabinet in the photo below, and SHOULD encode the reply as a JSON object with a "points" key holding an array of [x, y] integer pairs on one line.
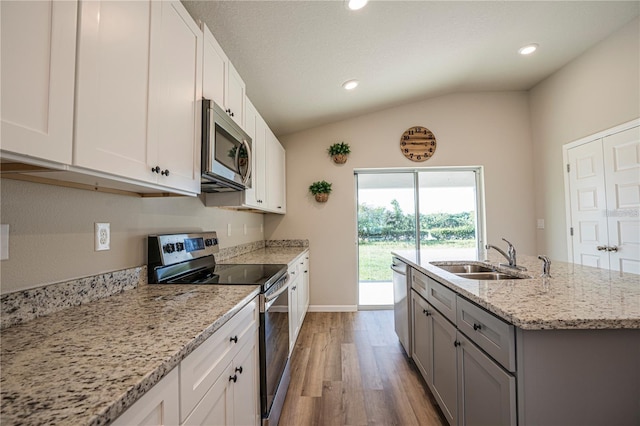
{"points": [[38, 69], [113, 88], [235, 95], [139, 86], [275, 175], [222, 83], [215, 69], [175, 81]]}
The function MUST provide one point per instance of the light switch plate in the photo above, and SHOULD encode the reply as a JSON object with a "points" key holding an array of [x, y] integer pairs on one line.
{"points": [[102, 236], [4, 242], [228, 229]]}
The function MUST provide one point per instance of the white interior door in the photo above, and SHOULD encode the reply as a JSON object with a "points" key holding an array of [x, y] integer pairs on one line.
{"points": [[622, 176], [588, 205]]}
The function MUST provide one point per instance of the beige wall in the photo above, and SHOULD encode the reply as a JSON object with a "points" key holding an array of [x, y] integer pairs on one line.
{"points": [[51, 230], [598, 90], [487, 129]]}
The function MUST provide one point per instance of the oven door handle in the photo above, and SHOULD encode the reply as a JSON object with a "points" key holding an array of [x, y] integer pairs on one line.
{"points": [[268, 300]]}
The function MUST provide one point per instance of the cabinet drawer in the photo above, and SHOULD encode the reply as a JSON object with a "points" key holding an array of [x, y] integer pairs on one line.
{"points": [[494, 336], [442, 298], [419, 283], [203, 366]]}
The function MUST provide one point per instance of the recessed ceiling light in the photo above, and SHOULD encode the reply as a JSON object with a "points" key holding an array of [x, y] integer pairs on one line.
{"points": [[350, 84], [357, 4], [528, 49]]}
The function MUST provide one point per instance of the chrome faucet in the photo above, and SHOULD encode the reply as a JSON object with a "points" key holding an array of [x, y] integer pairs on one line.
{"points": [[546, 265], [510, 256]]}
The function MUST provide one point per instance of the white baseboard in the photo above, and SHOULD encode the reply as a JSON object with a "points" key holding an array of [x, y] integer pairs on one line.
{"points": [[333, 308]]}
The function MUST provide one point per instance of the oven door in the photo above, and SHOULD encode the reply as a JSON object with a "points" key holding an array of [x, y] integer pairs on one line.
{"points": [[274, 346]]}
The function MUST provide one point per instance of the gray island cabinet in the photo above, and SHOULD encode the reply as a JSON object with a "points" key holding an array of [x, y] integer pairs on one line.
{"points": [[528, 351]]}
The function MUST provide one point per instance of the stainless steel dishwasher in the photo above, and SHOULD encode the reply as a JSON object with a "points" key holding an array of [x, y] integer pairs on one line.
{"points": [[402, 303]]}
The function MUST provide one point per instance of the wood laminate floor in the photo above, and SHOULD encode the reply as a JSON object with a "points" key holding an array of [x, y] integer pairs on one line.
{"points": [[348, 368]]}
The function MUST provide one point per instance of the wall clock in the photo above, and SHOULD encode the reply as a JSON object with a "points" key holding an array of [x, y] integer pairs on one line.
{"points": [[418, 143]]}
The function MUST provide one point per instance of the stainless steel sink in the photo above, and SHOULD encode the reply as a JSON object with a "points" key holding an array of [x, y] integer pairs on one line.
{"points": [[465, 269], [473, 271], [494, 275]]}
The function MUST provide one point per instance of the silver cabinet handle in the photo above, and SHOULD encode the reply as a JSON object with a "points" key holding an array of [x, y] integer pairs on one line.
{"points": [[612, 248], [602, 248]]}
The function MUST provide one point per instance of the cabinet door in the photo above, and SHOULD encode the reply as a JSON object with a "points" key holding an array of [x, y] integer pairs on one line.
{"points": [[422, 336], [215, 69], [216, 407], [38, 73], [622, 177], [235, 95], [113, 88], [259, 182], [445, 380], [275, 174], [176, 90], [487, 394], [294, 326], [159, 406], [304, 287], [246, 390]]}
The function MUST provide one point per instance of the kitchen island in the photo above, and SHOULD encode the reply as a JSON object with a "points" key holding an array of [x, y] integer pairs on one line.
{"points": [[562, 349]]}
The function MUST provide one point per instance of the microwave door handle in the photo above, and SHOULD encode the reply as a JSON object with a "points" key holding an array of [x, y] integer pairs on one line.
{"points": [[247, 175], [208, 147]]}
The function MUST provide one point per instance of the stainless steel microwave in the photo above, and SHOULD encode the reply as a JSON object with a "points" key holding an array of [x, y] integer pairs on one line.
{"points": [[226, 151]]}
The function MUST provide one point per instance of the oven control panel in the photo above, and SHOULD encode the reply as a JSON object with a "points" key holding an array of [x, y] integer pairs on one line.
{"points": [[175, 248]]}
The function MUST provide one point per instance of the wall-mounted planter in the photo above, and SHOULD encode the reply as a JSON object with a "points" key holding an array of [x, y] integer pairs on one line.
{"points": [[320, 190], [339, 152], [322, 198], [340, 158]]}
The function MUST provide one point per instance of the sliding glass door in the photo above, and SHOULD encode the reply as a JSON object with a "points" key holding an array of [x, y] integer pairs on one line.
{"points": [[437, 211]]}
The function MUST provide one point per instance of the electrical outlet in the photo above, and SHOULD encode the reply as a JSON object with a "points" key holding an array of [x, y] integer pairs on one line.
{"points": [[102, 236], [540, 224], [4, 242]]}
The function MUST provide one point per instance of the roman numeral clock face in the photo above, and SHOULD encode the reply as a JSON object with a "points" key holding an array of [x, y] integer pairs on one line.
{"points": [[418, 143]]}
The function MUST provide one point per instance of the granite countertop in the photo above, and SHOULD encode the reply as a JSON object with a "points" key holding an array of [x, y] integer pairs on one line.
{"points": [[89, 363], [574, 297], [272, 255]]}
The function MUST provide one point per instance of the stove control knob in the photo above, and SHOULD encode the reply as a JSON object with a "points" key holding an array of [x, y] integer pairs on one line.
{"points": [[179, 246], [210, 242], [169, 248]]}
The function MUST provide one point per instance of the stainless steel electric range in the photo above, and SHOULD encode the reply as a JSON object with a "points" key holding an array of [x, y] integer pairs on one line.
{"points": [[188, 258]]}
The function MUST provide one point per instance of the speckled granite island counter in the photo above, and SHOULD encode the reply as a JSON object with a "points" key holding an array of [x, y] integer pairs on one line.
{"points": [[274, 255], [574, 297], [86, 364], [558, 350]]}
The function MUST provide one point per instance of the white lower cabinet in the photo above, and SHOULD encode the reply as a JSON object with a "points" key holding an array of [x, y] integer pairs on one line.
{"points": [[159, 406], [298, 296], [470, 386], [217, 384], [233, 398]]}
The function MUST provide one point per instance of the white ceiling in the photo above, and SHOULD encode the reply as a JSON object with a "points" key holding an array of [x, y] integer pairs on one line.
{"points": [[294, 55]]}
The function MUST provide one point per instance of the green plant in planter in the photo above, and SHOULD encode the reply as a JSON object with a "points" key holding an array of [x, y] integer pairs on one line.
{"points": [[339, 152], [320, 190]]}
